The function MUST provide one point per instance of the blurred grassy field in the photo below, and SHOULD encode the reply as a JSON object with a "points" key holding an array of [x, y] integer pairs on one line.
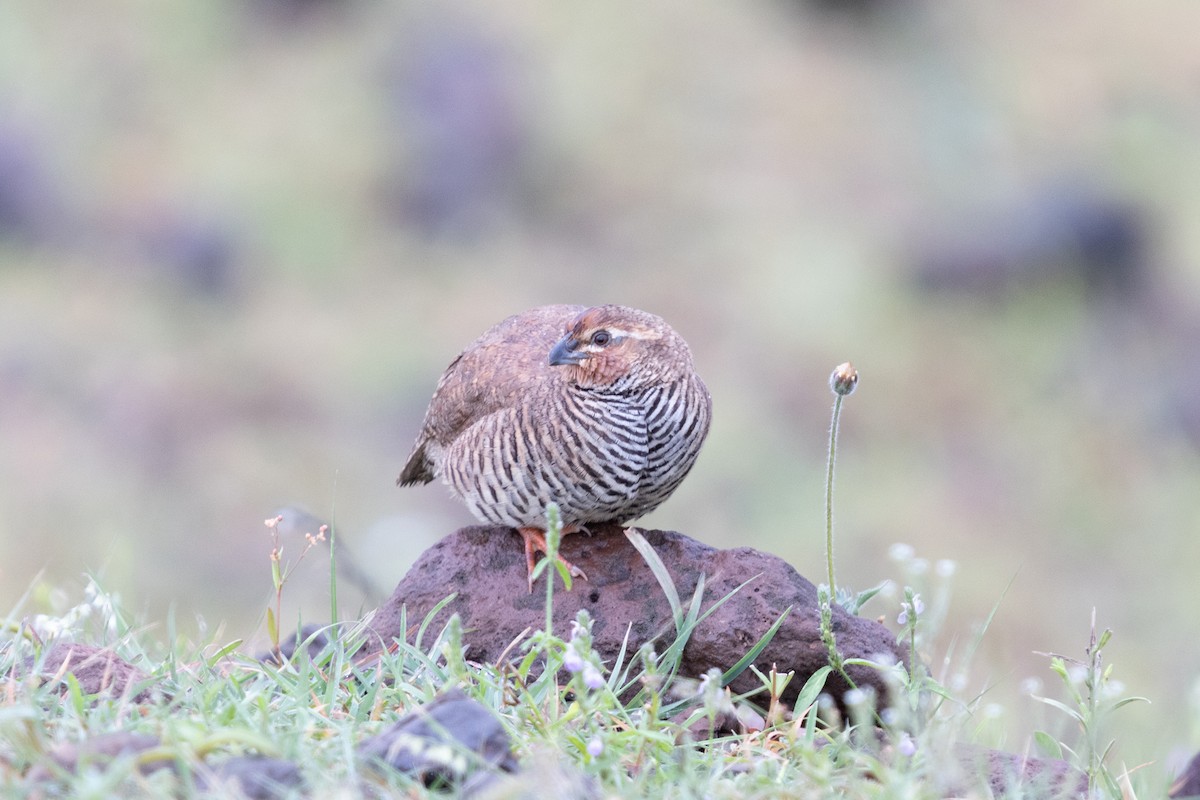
{"points": [[240, 241]]}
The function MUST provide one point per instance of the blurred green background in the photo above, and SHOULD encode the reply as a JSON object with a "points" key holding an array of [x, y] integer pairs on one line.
{"points": [[239, 241]]}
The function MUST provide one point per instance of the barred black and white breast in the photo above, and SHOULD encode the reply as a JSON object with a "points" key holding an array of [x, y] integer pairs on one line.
{"points": [[597, 409]]}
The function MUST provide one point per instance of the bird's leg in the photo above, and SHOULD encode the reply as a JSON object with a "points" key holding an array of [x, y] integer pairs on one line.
{"points": [[535, 541]]}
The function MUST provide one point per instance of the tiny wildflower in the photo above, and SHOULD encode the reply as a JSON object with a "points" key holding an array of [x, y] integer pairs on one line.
{"points": [[945, 567], [913, 608], [885, 660], [572, 661], [844, 379], [592, 678], [595, 747], [709, 687], [901, 552], [273, 522], [906, 746]]}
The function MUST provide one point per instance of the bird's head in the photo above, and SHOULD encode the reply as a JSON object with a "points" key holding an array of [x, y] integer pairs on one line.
{"points": [[619, 347]]}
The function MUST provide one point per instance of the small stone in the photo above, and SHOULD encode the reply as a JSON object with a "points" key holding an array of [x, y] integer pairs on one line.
{"points": [[310, 639], [101, 749], [442, 742], [98, 670], [251, 777], [1013, 775], [1188, 783]]}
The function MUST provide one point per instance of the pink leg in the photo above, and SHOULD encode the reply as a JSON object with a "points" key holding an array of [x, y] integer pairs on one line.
{"points": [[535, 541]]}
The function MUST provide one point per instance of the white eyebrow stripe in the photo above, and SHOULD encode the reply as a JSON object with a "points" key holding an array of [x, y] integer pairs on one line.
{"points": [[629, 334]]}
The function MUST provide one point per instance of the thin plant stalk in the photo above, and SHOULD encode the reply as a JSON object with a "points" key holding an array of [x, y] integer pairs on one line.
{"points": [[842, 382], [833, 431]]}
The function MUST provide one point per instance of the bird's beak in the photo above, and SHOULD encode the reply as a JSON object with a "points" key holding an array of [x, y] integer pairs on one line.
{"points": [[565, 353]]}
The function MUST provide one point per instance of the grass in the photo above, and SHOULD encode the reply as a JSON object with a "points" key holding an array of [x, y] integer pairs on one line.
{"points": [[580, 727], [633, 728]]}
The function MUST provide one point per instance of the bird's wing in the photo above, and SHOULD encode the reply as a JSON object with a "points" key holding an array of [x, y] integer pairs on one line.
{"points": [[505, 363]]}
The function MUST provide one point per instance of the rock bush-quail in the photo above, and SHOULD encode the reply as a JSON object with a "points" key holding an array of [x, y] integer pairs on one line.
{"points": [[597, 409]]}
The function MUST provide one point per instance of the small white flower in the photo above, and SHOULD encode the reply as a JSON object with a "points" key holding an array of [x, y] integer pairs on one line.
{"points": [[595, 746], [901, 552], [573, 662], [855, 697], [592, 678], [945, 567], [885, 659], [906, 746]]}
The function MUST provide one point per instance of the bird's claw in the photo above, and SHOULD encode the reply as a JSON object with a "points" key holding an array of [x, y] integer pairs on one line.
{"points": [[535, 541]]}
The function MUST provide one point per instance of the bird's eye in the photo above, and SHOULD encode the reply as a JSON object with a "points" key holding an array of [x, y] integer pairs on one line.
{"points": [[601, 338]]}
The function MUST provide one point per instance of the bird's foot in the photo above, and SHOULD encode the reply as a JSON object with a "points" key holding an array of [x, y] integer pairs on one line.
{"points": [[535, 541]]}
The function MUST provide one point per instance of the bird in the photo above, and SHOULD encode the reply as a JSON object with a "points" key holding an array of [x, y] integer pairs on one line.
{"points": [[596, 409]]}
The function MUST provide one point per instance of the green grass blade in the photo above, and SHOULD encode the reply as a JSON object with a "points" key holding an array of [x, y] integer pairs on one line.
{"points": [[433, 612], [1048, 744], [745, 661], [661, 573], [812, 689]]}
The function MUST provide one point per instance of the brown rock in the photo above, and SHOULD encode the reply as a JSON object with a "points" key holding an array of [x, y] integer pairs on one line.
{"points": [[482, 565], [1188, 782], [440, 742], [254, 777], [101, 749], [97, 669], [1012, 775]]}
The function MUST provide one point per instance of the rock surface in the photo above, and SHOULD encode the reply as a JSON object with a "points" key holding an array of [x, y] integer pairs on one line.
{"points": [[1013, 775], [1188, 782], [485, 566], [98, 671], [442, 742], [100, 750], [253, 777]]}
